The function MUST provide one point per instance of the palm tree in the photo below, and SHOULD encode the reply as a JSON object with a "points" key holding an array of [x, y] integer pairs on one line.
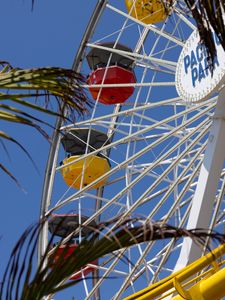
{"points": [[19, 86]]}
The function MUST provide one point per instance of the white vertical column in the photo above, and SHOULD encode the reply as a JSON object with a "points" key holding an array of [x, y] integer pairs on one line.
{"points": [[204, 197]]}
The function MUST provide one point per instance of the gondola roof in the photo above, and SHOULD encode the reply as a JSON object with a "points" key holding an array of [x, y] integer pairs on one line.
{"points": [[75, 140], [62, 225], [99, 57]]}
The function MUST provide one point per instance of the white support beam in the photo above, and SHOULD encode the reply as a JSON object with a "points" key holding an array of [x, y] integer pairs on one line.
{"points": [[151, 27], [203, 201], [142, 84], [136, 56]]}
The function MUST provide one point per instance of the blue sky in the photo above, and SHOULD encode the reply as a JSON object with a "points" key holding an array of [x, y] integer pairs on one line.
{"points": [[47, 36]]}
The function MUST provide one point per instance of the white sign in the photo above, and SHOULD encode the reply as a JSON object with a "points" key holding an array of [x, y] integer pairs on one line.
{"points": [[194, 81]]}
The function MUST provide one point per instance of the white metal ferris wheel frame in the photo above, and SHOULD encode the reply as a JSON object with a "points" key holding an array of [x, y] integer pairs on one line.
{"points": [[210, 170], [52, 159]]}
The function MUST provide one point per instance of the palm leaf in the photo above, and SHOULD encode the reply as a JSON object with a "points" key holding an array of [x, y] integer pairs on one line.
{"points": [[7, 172], [20, 99], [22, 281], [20, 86], [15, 118], [11, 139], [61, 83]]}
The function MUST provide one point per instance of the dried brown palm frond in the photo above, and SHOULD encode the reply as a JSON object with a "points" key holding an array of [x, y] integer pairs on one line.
{"points": [[24, 281]]}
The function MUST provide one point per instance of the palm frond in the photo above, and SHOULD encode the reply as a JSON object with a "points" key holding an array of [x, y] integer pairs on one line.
{"points": [[23, 280], [7, 172], [21, 100], [61, 83], [58, 87], [11, 139]]}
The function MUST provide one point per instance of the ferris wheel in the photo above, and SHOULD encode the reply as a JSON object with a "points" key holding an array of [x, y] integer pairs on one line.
{"points": [[145, 149]]}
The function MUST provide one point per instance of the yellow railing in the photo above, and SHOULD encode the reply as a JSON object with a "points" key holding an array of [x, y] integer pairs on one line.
{"points": [[187, 284]]}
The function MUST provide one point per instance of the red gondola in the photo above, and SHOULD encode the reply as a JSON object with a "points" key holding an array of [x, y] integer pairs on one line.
{"points": [[113, 75], [62, 225], [67, 253], [110, 69]]}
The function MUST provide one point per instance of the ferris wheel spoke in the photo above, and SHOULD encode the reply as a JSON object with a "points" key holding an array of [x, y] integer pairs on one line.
{"points": [[136, 56], [106, 274], [137, 271], [217, 206], [151, 188], [158, 193], [153, 28], [162, 255], [129, 277], [181, 15], [144, 84], [96, 197], [130, 210], [175, 205], [138, 154], [186, 189], [145, 107], [125, 139], [170, 246]]}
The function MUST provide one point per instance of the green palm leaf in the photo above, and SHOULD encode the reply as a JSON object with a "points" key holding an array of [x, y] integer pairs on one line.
{"points": [[59, 82], [56, 86], [23, 281]]}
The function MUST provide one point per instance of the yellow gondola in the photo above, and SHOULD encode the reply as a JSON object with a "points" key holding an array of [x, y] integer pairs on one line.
{"points": [[91, 167], [146, 11], [85, 170]]}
